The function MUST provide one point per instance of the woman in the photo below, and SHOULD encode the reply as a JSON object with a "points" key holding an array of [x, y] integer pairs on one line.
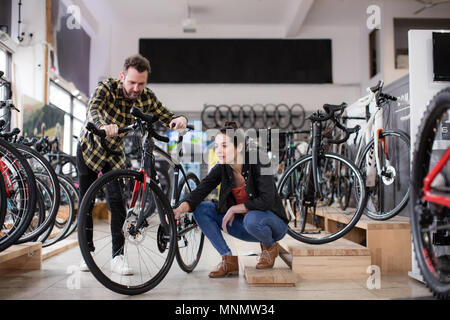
{"points": [[249, 207]]}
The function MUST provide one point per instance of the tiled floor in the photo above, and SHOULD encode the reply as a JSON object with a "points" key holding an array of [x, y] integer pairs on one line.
{"points": [[59, 279]]}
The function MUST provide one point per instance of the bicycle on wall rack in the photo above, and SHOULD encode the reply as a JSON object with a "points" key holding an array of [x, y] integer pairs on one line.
{"points": [[383, 156], [302, 185], [430, 196], [151, 236]]}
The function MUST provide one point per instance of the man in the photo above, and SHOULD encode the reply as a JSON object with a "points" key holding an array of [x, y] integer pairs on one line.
{"points": [[109, 109]]}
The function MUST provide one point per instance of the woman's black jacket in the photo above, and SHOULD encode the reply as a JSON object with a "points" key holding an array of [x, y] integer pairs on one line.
{"points": [[260, 188]]}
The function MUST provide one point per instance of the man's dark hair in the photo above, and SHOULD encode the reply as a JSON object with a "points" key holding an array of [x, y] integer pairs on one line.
{"points": [[139, 62]]}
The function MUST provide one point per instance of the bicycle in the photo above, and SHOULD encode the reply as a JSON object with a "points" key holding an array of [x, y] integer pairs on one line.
{"points": [[151, 238], [377, 164], [301, 186], [430, 196]]}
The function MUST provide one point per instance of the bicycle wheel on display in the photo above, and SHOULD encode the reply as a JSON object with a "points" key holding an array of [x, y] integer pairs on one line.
{"points": [[3, 200], [63, 220], [283, 116], [147, 243], [74, 195], [20, 190], [430, 217], [222, 115], [388, 193], [343, 185], [190, 238], [269, 116], [48, 185], [247, 117], [259, 114], [235, 110], [296, 188], [207, 117], [297, 116], [41, 220]]}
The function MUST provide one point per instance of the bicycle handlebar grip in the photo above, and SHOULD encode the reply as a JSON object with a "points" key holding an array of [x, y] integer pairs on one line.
{"points": [[157, 136], [321, 117]]}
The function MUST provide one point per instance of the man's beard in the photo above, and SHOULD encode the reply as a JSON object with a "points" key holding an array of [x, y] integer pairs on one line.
{"points": [[128, 94]]}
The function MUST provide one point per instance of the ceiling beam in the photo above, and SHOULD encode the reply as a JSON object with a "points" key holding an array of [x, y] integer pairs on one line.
{"points": [[299, 16]]}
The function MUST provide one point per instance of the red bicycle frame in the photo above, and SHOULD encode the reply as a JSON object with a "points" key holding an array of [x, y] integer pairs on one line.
{"points": [[428, 180]]}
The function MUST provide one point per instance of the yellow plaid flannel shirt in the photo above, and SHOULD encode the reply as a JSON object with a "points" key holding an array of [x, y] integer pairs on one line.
{"points": [[108, 105]]}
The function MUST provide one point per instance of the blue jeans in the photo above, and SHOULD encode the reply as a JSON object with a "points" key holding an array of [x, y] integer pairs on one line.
{"points": [[256, 226]]}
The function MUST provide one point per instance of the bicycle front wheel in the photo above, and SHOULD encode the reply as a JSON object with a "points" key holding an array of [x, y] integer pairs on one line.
{"points": [[118, 227], [189, 236], [388, 192], [430, 221], [303, 204]]}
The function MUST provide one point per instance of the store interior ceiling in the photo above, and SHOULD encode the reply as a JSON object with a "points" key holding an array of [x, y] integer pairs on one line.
{"points": [[287, 14]]}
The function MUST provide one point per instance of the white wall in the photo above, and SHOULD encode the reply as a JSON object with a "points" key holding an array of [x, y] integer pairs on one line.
{"points": [[29, 58], [389, 10]]}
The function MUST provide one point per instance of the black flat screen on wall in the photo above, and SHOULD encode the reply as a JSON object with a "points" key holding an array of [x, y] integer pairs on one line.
{"points": [[238, 60], [441, 56]]}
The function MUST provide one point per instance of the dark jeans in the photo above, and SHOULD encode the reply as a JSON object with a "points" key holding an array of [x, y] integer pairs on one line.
{"points": [[114, 199], [256, 226]]}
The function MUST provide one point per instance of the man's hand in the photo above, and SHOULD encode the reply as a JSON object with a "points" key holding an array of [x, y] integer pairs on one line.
{"points": [[182, 208], [178, 123], [112, 130]]}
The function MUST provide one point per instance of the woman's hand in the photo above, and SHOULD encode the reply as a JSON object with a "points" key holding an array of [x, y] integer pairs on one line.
{"points": [[182, 208], [228, 219]]}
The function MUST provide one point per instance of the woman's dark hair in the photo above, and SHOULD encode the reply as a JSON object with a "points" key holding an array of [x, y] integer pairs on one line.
{"points": [[232, 131]]}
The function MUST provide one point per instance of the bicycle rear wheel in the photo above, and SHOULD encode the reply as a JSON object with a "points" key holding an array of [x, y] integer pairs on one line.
{"points": [[301, 191], [389, 193], [190, 238], [430, 221], [116, 227], [20, 190]]}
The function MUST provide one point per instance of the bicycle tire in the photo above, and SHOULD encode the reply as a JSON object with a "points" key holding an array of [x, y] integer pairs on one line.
{"points": [[44, 221], [25, 188], [297, 116], [3, 200], [74, 192], [43, 169], [188, 266], [424, 213], [207, 116], [387, 214], [359, 190], [58, 231], [101, 273]]}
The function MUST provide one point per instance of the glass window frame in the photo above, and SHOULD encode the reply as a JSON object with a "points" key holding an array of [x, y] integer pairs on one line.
{"points": [[70, 114]]}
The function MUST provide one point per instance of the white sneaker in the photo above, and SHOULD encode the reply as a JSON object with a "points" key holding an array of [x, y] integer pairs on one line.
{"points": [[120, 265], [83, 266]]}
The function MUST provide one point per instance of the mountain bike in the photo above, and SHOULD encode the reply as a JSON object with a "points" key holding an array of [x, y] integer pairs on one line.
{"points": [[430, 196], [383, 156], [149, 237], [301, 188]]}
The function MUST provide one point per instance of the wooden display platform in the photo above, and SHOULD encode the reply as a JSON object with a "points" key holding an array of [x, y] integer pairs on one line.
{"points": [[340, 259], [279, 276], [26, 256], [389, 241], [58, 247]]}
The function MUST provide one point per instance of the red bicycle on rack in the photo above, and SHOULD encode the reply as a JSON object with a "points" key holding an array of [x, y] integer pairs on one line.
{"points": [[430, 196]]}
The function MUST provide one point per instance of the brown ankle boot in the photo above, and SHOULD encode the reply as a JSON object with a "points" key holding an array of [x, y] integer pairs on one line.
{"points": [[228, 267], [268, 255]]}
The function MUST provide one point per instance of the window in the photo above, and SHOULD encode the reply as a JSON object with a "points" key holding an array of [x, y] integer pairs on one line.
{"points": [[74, 115], [60, 97]]}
